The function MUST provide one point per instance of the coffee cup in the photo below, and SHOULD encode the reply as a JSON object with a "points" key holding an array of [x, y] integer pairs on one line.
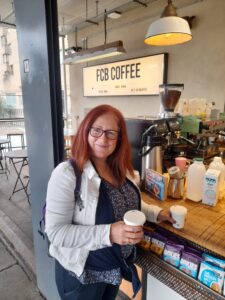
{"points": [[182, 163], [134, 218], [178, 213]]}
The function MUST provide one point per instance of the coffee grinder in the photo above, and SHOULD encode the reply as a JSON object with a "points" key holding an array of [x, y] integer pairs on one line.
{"points": [[169, 95], [177, 145]]}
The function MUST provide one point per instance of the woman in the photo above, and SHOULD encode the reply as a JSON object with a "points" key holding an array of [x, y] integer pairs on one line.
{"points": [[92, 246]]}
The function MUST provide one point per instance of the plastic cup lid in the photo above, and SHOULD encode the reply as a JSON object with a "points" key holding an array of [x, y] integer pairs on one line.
{"points": [[217, 158], [134, 218], [178, 209], [173, 170]]}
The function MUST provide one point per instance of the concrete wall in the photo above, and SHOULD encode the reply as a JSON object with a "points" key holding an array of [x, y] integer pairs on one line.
{"points": [[199, 64], [37, 43]]}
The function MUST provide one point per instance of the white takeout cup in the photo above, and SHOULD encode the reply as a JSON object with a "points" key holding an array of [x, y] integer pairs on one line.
{"points": [[134, 218], [178, 213]]}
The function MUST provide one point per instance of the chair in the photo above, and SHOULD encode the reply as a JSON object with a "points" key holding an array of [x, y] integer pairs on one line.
{"points": [[15, 134], [3, 164], [1, 157], [19, 160]]}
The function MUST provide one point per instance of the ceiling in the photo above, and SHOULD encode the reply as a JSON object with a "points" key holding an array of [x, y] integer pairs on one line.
{"points": [[73, 14], [7, 11]]}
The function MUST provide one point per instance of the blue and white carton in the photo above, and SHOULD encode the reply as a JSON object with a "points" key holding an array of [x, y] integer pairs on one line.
{"points": [[211, 187]]}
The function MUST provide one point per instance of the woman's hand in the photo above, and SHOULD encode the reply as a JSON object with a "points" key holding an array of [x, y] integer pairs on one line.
{"points": [[164, 215], [123, 234]]}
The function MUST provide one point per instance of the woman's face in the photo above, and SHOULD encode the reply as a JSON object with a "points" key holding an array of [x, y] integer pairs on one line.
{"points": [[103, 144]]}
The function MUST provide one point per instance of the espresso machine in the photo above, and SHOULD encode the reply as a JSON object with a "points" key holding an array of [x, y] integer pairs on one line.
{"points": [[188, 136], [162, 141], [156, 142], [207, 135]]}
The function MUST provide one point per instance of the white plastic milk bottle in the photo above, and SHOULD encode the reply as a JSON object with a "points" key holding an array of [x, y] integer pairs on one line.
{"points": [[195, 177], [217, 164]]}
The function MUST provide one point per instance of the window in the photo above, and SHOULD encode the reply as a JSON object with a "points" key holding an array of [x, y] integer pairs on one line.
{"points": [[5, 58], [11, 70], [3, 40], [11, 99]]}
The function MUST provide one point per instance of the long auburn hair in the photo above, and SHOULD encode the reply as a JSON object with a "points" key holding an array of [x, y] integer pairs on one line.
{"points": [[120, 160]]}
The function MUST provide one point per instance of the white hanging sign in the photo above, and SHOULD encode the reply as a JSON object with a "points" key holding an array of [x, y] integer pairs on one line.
{"points": [[139, 76]]}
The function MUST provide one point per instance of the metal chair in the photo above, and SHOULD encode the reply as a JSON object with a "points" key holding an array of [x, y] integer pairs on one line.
{"points": [[22, 140], [3, 163]]}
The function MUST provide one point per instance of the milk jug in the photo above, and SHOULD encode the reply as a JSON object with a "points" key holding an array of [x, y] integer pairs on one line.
{"points": [[195, 178], [217, 164]]}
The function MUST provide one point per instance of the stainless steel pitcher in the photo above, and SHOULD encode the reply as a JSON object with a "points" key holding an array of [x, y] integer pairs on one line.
{"points": [[176, 188]]}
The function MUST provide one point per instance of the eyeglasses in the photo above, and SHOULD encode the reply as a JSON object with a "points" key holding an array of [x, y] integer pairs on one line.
{"points": [[110, 134]]}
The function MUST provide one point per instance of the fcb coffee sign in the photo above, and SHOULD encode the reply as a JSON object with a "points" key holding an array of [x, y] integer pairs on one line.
{"points": [[139, 76]]}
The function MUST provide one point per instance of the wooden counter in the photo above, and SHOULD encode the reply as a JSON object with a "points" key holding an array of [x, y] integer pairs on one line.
{"points": [[205, 228], [205, 225]]}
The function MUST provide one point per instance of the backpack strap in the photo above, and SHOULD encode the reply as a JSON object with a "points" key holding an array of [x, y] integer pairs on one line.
{"points": [[77, 198], [78, 174]]}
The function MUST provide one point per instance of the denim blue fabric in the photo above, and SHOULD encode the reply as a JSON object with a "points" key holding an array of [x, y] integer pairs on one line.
{"points": [[70, 288]]}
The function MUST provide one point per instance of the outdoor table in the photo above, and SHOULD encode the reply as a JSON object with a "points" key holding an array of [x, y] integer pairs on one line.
{"points": [[19, 157]]}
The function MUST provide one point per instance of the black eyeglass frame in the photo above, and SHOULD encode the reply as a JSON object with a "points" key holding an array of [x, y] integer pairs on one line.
{"points": [[101, 131]]}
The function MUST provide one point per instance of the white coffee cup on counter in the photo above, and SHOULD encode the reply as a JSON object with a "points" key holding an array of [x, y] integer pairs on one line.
{"points": [[134, 218], [178, 213]]}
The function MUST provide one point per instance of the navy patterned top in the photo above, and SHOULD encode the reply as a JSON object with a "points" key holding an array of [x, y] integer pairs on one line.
{"points": [[112, 205]]}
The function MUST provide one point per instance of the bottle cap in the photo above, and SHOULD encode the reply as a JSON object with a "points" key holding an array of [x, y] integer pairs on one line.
{"points": [[198, 159], [134, 218], [217, 158]]}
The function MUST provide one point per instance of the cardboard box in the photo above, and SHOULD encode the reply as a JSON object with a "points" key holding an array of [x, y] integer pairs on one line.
{"points": [[156, 184], [211, 187], [211, 276]]}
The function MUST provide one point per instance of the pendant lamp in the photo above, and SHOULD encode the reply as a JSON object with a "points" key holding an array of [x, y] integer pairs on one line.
{"points": [[95, 53], [99, 52], [169, 29]]}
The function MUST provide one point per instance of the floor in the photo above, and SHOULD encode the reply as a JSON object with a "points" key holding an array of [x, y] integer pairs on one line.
{"points": [[14, 282], [16, 244], [17, 209]]}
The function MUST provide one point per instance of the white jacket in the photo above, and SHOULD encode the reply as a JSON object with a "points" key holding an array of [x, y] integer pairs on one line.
{"points": [[70, 244]]}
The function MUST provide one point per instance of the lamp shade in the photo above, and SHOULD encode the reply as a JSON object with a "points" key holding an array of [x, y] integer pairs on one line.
{"points": [[168, 31]]}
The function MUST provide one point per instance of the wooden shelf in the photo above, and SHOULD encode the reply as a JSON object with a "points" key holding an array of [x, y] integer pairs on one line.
{"points": [[183, 284]]}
